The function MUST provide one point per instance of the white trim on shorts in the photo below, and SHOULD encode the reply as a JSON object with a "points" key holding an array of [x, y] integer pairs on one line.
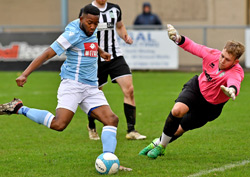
{"points": [[102, 84], [125, 75]]}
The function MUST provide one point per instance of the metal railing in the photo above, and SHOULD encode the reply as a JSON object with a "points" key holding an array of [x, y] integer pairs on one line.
{"points": [[30, 28], [204, 28]]}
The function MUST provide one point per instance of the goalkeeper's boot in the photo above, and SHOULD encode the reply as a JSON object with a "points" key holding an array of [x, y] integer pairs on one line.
{"points": [[157, 151], [11, 107], [149, 147]]}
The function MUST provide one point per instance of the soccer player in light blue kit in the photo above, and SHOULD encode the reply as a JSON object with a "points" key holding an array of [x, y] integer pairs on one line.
{"points": [[79, 84]]}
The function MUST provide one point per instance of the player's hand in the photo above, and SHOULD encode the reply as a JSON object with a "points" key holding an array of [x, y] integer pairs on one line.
{"points": [[106, 56], [229, 91], [21, 80], [173, 34], [128, 39]]}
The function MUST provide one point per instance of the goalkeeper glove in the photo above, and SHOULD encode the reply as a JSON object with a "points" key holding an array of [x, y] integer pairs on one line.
{"points": [[229, 91], [173, 34]]}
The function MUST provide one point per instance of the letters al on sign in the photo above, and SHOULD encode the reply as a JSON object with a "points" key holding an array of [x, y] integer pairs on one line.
{"points": [[152, 49]]}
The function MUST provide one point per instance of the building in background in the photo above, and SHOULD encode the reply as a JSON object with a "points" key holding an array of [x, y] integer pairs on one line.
{"points": [[194, 18]]}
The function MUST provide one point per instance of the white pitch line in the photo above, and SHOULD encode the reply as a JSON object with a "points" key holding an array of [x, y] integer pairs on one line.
{"points": [[223, 168]]}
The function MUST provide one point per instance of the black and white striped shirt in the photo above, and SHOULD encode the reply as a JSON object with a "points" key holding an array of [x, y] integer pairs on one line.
{"points": [[109, 16]]}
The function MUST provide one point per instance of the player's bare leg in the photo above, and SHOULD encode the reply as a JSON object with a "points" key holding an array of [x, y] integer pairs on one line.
{"points": [[91, 127], [61, 120], [126, 84], [105, 115]]}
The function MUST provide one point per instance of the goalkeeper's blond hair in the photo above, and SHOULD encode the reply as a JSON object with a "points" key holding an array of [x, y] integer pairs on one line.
{"points": [[235, 48]]}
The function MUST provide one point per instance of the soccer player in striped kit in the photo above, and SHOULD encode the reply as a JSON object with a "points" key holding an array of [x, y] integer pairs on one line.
{"points": [[111, 20], [202, 97]]}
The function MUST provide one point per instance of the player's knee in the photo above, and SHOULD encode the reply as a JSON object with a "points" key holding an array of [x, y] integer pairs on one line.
{"points": [[177, 112], [179, 109], [129, 92], [112, 120]]}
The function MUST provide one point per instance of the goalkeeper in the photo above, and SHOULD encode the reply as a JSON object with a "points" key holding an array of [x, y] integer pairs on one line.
{"points": [[202, 97]]}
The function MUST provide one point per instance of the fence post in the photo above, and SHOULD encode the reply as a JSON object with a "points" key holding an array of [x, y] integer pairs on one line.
{"points": [[205, 35], [64, 13]]}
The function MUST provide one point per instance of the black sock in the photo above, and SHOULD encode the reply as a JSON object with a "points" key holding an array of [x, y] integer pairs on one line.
{"points": [[171, 125], [91, 122], [130, 116], [174, 138]]}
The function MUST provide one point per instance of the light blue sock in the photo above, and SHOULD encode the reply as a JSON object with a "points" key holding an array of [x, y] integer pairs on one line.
{"points": [[39, 116], [109, 139]]}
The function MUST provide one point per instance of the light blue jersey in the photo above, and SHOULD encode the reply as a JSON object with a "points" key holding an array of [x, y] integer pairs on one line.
{"points": [[81, 52]]}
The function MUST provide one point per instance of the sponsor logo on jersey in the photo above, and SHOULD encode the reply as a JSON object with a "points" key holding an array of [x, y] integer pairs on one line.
{"points": [[211, 65], [91, 49], [110, 25], [209, 78], [111, 14], [105, 26]]}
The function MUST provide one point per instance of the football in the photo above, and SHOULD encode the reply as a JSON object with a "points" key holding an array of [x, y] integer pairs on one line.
{"points": [[107, 163]]}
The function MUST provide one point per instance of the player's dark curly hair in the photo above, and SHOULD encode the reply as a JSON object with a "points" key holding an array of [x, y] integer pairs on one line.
{"points": [[89, 9]]}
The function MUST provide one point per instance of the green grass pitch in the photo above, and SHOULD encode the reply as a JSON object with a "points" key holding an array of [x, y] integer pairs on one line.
{"points": [[221, 148]]}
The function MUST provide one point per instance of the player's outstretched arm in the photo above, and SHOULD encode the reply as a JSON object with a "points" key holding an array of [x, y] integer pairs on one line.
{"points": [[173, 34], [229, 91], [36, 63]]}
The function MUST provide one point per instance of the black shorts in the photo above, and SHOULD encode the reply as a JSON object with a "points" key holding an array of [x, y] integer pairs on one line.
{"points": [[117, 67], [200, 111]]}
